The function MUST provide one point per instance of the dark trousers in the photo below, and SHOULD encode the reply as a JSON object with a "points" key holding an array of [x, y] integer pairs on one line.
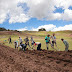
{"points": [[23, 46], [10, 42], [15, 46], [39, 47]]}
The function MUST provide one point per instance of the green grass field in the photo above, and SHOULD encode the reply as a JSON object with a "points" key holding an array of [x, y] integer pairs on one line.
{"points": [[39, 37]]}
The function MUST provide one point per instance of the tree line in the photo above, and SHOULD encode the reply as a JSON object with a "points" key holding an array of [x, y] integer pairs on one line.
{"points": [[4, 29]]}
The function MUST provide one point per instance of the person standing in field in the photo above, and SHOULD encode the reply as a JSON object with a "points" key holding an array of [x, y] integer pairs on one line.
{"points": [[16, 44], [10, 40], [32, 41], [66, 44], [47, 39], [20, 40], [53, 37]]}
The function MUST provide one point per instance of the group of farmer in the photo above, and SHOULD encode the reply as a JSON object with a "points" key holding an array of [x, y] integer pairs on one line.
{"points": [[53, 37], [24, 46], [49, 40]]}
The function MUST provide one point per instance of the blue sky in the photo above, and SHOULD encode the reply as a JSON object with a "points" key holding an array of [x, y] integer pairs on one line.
{"points": [[35, 14], [34, 23]]}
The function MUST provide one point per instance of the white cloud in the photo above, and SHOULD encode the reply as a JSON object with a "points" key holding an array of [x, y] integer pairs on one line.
{"points": [[67, 15], [19, 18], [10, 10], [47, 27], [55, 16], [44, 9], [65, 4], [2, 18], [52, 27], [22, 29], [66, 27], [40, 9]]}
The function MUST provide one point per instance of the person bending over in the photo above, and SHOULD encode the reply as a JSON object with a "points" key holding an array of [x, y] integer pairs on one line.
{"points": [[38, 45], [66, 44], [23, 46], [27, 41]]}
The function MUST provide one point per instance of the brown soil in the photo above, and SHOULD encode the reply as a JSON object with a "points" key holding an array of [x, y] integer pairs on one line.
{"points": [[12, 60], [70, 35]]}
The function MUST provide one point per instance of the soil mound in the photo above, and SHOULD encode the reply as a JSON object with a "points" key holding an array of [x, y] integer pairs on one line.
{"points": [[12, 60]]}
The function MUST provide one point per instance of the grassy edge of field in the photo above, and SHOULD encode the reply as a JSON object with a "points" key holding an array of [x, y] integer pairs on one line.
{"points": [[40, 37]]}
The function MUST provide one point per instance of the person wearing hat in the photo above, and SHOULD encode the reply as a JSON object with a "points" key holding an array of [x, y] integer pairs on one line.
{"points": [[47, 39], [66, 44]]}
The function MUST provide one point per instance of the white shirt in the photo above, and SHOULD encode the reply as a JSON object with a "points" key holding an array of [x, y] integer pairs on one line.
{"points": [[20, 40], [53, 38], [37, 42]]}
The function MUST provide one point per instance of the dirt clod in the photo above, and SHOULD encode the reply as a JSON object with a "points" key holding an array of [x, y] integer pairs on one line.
{"points": [[12, 60]]}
